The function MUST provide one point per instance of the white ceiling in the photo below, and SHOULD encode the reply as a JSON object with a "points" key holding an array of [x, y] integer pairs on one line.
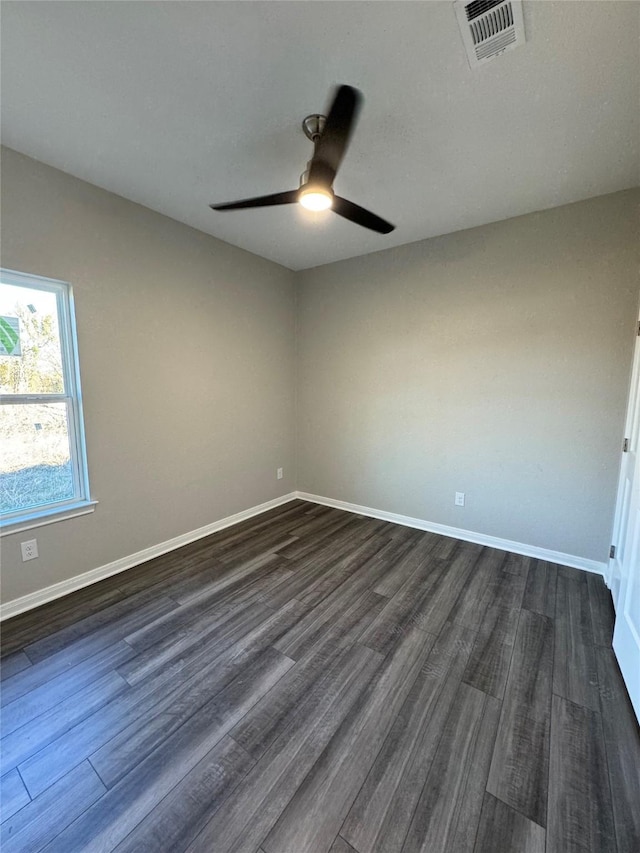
{"points": [[178, 104]]}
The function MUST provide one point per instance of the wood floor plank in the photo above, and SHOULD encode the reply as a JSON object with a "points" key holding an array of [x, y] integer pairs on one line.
{"points": [[341, 846], [580, 812], [304, 573], [244, 820], [260, 536], [321, 618], [572, 605], [315, 526], [435, 611], [575, 673], [198, 612], [348, 560], [448, 811], [405, 610], [491, 656], [451, 651], [37, 823], [510, 585], [281, 519], [485, 582], [215, 577], [53, 761], [244, 582], [226, 694], [246, 547], [401, 531], [108, 821], [123, 752], [23, 741], [100, 640], [153, 694], [602, 613], [401, 570], [517, 564], [206, 674], [520, 766], [488, 667], [13, 794], [44, 684], [218, 662], [504, 830], [156, 573], [303, 686], [573, 575], [299, 545], [13, 663], [314, 815], [180, 816], [540, 592], [347, 621], [314, 509], [167, 573], [219, 629], [285, 517], [317, 582], [32, 625], [381, 814], [103, 628], [622, 743], [214, 627], [162, 573], [266, 544]]}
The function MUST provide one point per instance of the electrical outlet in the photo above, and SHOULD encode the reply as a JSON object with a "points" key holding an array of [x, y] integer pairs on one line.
{"points": [[29, 550], [459, 501], [280, 473]]}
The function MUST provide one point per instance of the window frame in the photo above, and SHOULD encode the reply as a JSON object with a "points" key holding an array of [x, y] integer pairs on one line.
{"points": [[80, 503]]}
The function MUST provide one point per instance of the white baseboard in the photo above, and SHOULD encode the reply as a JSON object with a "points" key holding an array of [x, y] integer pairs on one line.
{"points": [[466, 535], [50, 593], [57, 590]]}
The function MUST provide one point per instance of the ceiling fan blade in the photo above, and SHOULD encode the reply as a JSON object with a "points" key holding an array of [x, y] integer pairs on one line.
{"points": [[355, 213], [288, 197], [332, 145]]}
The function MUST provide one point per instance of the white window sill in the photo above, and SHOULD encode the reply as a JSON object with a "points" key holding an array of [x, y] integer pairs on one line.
{"points": [[39, 518]]}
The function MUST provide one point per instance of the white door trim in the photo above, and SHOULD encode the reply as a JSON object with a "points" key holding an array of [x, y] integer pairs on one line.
{"points": [[613, 574], [623, 574]]}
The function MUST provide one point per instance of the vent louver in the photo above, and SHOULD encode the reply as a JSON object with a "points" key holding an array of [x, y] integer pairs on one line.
{"points": [[489, 27]]}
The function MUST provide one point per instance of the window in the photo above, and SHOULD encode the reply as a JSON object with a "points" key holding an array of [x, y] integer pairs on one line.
{"points": [[43, 469]]}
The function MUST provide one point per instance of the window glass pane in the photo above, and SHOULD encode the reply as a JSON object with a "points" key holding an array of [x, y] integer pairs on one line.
{"points": [[30, 353], [35, 463]]}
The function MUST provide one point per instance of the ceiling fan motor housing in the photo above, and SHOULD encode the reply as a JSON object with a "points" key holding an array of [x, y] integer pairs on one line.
{"points": [[313, 126]]}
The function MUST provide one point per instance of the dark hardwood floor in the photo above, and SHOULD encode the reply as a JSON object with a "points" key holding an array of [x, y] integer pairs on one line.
{"points": [[312, 681]]}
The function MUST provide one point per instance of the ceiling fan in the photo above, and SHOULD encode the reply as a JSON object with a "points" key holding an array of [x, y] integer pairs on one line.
{"points": [[330, 136]]}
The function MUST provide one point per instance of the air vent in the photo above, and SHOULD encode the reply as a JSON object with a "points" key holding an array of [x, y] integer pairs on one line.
{"points": [[489, 27]]}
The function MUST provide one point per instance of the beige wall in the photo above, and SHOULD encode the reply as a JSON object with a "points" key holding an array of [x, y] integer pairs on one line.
{"points": [[494, 362], [187, 350]]}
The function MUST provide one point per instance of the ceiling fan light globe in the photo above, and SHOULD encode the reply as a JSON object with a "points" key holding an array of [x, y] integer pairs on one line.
{"points": [[316, 198]]}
